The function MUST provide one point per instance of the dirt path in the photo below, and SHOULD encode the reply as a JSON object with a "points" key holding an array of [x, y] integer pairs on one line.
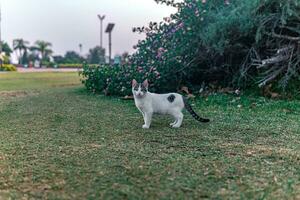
{"points": [[24, 70]]}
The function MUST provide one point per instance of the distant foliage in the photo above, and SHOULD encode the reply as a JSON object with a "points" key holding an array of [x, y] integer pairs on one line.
{"points": [[21, 47], [72, 57], [6, 48], [8, 67], [70, 65], [43, 49], [96, 55]]}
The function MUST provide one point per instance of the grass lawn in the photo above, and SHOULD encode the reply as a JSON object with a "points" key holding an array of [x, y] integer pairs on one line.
{"points": [[41, 80], [59, 142]]}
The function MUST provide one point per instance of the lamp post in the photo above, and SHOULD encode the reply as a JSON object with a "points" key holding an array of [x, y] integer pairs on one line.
{"points": [[108, 30], [80, 48], [101, 18]]}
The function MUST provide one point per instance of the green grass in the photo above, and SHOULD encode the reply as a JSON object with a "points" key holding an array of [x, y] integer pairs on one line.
{"points": [[41, 80], [64, 143]]}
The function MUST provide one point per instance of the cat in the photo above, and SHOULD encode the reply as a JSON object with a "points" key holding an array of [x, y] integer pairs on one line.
{"points": [[169, 104]]}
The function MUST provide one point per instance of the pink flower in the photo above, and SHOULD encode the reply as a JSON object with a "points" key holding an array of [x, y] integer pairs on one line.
{"points": [[180, 25], [167, 19], [161, 49], [140, 69], [160, 52]]}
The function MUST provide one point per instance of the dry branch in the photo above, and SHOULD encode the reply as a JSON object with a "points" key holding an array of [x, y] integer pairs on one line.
{"points": [[273, 60]]}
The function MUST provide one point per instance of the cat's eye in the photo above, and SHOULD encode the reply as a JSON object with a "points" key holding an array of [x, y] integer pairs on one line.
{"points": [[144, 89]]}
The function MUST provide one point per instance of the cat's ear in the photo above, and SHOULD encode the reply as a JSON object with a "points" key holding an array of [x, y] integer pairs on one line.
{"points": [[134, 83], [145, 83]]}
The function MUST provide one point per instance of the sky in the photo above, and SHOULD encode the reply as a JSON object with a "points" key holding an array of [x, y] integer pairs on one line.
{"points": [[67, 23]]}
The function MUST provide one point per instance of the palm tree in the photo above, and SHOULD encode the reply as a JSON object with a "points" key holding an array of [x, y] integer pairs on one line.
{"points": [[6, 48], [21, 46], [43, 48]]}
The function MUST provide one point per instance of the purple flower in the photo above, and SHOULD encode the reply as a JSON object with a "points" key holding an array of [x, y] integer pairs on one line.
{"points": [[180, 25]]}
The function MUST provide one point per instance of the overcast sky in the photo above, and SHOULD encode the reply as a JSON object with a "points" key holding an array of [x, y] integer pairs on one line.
{"points": [[66, 23]]}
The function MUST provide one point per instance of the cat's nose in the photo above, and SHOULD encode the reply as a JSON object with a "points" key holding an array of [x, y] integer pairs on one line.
{"points": [[139, 94]]}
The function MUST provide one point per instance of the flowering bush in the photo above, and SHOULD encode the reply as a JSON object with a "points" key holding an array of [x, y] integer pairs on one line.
{"points": [[207, 41], [196, 44], [110, 80], [116, 79]]}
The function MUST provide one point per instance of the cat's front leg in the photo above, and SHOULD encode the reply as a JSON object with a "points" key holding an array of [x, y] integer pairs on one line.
{"points": [[144, 118], [142, 113], [147, 119]]}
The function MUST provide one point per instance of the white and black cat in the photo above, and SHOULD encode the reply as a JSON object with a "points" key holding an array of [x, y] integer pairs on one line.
{"points": [[170, 104]]}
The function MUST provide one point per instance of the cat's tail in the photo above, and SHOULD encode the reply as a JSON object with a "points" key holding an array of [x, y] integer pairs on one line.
{"points": [[189, 108]]}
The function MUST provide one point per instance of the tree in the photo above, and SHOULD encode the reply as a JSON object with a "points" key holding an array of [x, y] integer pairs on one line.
{"points": [[59, 59], [20, 46], [33, 56], [96, 55], [72, 57], [25, 58], [125, 58], [6, 48], [43, 48]]}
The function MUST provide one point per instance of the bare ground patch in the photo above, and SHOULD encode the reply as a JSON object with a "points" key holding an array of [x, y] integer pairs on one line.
{"points": [[8, 94], [258, 149], [64, 85]]}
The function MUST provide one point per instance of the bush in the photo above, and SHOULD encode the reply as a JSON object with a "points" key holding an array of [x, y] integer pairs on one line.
{"points": [[75, 65], [111, 80], [8, 67], [200, 43], [48, 64], [226, 45], [6, 59]]}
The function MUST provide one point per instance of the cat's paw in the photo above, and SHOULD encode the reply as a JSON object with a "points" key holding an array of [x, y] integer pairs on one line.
{"points": [[173, 123], [145, 126], [176, 126]]}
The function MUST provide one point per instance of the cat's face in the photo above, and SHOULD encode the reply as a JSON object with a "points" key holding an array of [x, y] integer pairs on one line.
{"points": [[139, 90]]}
